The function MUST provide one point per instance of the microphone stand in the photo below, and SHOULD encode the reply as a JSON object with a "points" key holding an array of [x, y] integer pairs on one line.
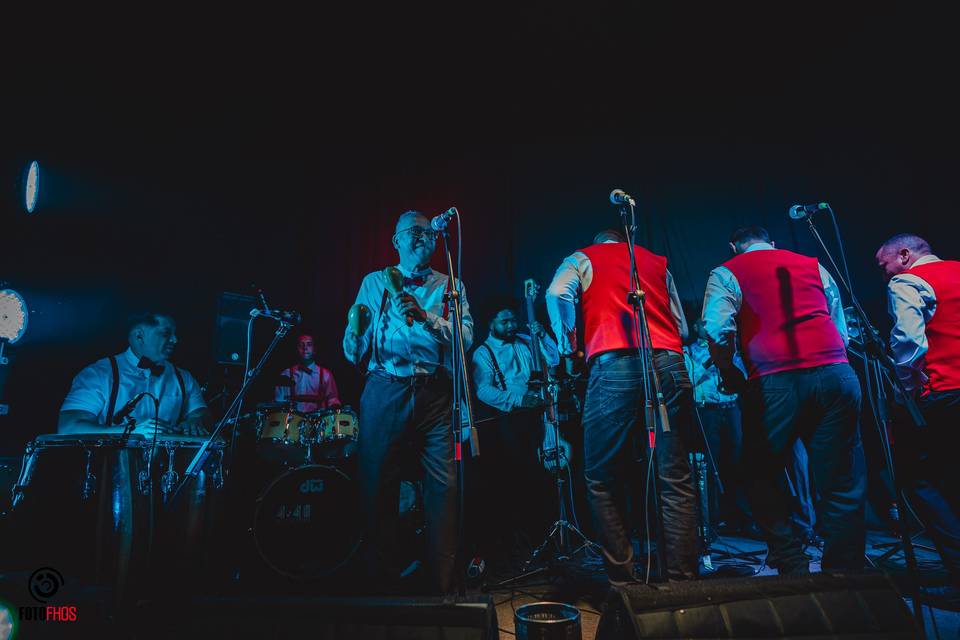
{"points": [[461, 398], [203, 453], [874, 354], [652, 416]]}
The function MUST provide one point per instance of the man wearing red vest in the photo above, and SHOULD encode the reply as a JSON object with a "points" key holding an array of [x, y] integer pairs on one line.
{"points": [[783, 311], [599, 276], [924, 300]]}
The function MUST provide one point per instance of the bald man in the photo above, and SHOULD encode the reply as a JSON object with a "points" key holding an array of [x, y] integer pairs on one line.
{"points": [[924, 300], [407, 350]]}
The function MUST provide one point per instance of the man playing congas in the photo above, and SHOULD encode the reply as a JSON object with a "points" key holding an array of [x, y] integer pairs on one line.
{"points": [[102, 389]]}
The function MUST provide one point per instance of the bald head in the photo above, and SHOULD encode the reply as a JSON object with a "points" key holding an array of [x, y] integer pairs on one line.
{"points": [[900, 252], [414, 240]]}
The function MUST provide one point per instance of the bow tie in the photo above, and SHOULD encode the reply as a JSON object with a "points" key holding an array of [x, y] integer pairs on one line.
{"points": [[415, 281], [154, 367]]}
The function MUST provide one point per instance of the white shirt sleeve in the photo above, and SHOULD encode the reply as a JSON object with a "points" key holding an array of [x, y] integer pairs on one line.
{"points": [[676, 309], [834, 304], [721, 304], [911, 302], [561, 298], [548, 347], [355, 347], [90, 390], [441, 329], [194, 395], [488, 384]]}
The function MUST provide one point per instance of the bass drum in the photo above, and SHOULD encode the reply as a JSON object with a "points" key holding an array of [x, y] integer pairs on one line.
{"points": [[307, 523]]}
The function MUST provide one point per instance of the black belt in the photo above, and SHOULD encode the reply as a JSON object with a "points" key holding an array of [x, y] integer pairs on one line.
{"points": [[717, 405], [416, 380], [610, 355]]}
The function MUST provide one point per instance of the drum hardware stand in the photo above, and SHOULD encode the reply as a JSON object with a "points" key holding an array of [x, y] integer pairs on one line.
{"points": [[203, 453], [730, 558], [461, 391], [562, 528], [874, 354]]}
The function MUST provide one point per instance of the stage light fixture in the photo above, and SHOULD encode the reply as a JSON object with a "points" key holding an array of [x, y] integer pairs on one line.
{"points": [[13, 316], [31, 187]]}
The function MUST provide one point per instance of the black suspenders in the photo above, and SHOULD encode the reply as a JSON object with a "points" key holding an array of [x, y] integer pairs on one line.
{"points": [[496, 368], [115, 389]]}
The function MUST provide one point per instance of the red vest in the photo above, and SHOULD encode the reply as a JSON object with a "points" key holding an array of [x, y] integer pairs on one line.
{"points": [[784, 322], [608, 319], [943, 331]]}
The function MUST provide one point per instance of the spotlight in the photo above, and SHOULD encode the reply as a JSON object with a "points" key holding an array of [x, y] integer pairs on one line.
{"points": [[13, 316], [31, 187]]}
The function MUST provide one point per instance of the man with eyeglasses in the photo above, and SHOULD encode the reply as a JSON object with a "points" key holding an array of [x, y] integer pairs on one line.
{"points": [[403, 341]]}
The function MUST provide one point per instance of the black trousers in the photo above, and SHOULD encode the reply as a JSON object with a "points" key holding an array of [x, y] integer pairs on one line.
{"points": [[509, 494], [396, 416], [928, 457], [722, 429], [821, 406], [612, 413]]}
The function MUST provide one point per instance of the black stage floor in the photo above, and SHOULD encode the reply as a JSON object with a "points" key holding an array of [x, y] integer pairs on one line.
{"points": [[579, 581]]}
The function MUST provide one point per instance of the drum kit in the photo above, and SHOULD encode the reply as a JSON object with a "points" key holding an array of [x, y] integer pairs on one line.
{"points": [[102, 507]]}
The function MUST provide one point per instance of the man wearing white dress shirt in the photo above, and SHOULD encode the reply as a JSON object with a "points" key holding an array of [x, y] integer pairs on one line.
{"points": [[924, 300], [513, 482], [406, 349], [312, 386], [101, 389], [782, 312], [599, 277]]}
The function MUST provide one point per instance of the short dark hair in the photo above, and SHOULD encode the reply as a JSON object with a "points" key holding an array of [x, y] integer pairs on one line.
{"points": [[146, 319], [909, 240], [746, 234], [609, 234]]}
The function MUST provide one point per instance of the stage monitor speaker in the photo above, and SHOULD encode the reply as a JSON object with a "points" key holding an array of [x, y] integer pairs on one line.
{"points": [[469, 618], [814, 606], [233, 314]]}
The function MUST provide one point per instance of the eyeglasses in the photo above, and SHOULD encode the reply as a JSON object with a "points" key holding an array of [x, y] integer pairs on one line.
{"points": [[418, 233]]}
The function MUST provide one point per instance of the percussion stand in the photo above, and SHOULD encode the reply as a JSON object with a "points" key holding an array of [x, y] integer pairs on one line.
{"points": [[874, 353], [461, 398]]}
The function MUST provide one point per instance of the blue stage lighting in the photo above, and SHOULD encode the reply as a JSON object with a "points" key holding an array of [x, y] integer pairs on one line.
{"points": [[13, 316], [31, 187]]}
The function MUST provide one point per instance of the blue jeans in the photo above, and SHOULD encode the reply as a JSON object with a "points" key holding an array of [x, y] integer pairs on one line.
{"points": [[612, 416], [821, 407]]}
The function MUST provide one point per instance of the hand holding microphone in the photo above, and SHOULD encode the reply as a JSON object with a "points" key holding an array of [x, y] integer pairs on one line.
{"points": [[394, 280]]}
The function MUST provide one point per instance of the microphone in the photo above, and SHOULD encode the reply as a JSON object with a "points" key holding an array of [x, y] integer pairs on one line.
{"points": [[128, 408], [803, 211], [617, 196], [280, 315], [440, 222]]}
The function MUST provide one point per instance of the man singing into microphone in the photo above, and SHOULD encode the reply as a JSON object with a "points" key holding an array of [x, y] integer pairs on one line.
{"points": [[924, 300], [312, 386], [103, 388], [784, 311], [600, 276], [404, 341]]}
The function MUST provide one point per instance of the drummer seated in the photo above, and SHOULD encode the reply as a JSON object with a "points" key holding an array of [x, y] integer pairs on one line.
{"points": [[306, 383], [101, 390]]}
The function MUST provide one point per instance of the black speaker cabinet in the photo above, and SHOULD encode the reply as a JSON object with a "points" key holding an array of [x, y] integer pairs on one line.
{"points": [[233, 314], [814, 606]]}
